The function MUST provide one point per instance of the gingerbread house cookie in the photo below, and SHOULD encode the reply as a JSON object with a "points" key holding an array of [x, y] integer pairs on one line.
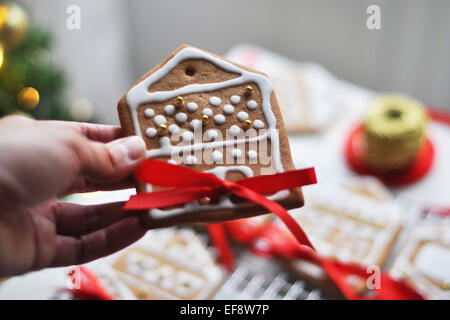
{"points": [[354, 221], [199, 110], [165, 264], [424, 261]]}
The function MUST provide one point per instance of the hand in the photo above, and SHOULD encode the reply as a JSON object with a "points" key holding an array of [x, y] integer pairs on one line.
{"points": [[43, 160]]}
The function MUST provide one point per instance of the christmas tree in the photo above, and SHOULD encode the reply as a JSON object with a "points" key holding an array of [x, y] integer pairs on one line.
{"points": [[30, 84]]}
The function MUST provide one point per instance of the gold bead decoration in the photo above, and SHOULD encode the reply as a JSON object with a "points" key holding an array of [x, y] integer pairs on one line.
{"points": [[445, 285], [248, 91], [162, 129], [247, 124], [179, 101], [205, 119]]}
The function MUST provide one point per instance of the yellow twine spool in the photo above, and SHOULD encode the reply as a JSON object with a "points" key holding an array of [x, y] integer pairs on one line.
{"points": [[394, 132]]}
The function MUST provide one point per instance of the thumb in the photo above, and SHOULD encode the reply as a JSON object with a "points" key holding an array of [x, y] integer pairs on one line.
{"points": [[112, 161]]}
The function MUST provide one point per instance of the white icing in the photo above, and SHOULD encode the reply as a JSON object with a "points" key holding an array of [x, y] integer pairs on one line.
{"points": [[236, 153], [192, 107], [195, 124], [171, 161], [139, 95], [159, 119], [169, 109], [208, 112], [235, 130], [149, 113], [173, 128], [235, 99], [216, 156], [252, 104], [181, 117], [434, 261], [242, 116], [219, 119], [151, 132], [228, 109], [252, 154], [188, 136], [258, 124], [215, 101], [212, 134], [190, 160]]}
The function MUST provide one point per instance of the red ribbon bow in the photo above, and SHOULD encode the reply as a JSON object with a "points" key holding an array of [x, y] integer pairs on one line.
{"points": [[189, 185]]}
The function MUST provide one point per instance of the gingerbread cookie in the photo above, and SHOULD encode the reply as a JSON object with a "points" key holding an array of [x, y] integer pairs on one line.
{"points": [[424, 261], [355, 221], [165, 264], [306, 91], [199, 110]]}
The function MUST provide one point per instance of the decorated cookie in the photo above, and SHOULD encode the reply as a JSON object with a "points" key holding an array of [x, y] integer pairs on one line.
{"points": [[355, 221], [166, 264], [306, 91], [198, 110], [424, 261]]}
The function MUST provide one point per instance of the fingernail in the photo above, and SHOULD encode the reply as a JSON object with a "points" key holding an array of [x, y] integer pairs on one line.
{"points": [[132, 147]]}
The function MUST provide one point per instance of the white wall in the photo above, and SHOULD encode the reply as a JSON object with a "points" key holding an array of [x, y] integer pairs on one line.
{"points": [[120, 40]]}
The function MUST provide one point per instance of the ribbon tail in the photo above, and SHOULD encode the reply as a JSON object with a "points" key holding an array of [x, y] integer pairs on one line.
{"points": [[275, 208], [219, 239]]}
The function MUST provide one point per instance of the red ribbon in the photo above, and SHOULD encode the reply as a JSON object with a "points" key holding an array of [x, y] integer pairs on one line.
{"points": [[189, 185], [272, 240], [90, 287]]}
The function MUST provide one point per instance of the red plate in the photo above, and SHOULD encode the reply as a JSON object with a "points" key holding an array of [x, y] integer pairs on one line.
{"points": [[356, 159]]}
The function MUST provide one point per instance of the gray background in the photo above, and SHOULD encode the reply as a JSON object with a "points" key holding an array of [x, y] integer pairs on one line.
{"points": [[120, 40]]}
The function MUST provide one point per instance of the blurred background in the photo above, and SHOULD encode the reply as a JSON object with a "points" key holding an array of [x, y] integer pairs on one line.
{"points": [[119, 40]]}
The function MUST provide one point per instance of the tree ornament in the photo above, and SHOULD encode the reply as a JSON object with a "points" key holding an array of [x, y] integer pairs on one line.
{"points": [[28, 98], [13, 24]]}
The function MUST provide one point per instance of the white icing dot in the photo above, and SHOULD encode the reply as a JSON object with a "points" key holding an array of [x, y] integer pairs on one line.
{"points": [[173, 128], [216, 156], [195, 124], [171, 161], [190, 160], [181, 117], [251, 104], [235, 99], [252, 154], [215, 101], [242, 116], [149, 113], [258, 124], [187, 136], [235, 130], [228, 109], [151, 132], [159, 119], [236, 153], [219, 119], [208, 112], [169, 109], [192, 107], [212, 134]]}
